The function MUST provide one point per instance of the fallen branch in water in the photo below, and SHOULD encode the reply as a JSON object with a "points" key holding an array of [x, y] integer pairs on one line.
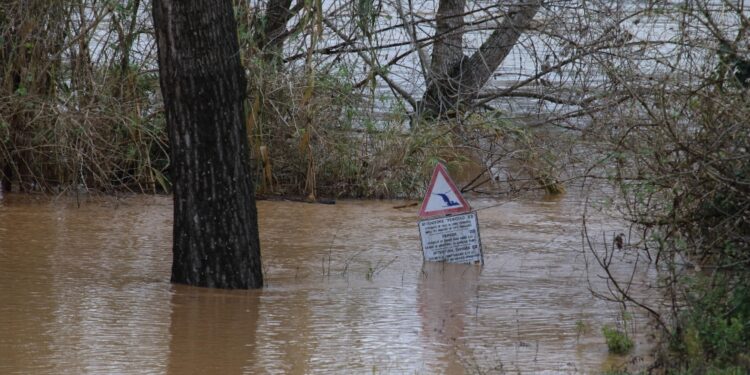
{"points": [[294, 199], [411, 204]]}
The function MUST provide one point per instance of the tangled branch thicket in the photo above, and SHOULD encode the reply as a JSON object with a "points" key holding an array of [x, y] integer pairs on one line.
{"points": [[677, 152], [78, 100], [80, 108], [333, 101]]}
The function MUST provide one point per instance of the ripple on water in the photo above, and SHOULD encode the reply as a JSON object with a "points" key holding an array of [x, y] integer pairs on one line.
{"points": [[85, 290]]}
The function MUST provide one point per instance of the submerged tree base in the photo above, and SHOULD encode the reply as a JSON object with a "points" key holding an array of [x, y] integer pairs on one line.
{"points": [[215, 237]]}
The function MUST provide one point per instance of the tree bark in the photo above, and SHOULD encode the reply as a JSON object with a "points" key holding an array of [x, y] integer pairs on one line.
{"points": [[447, 51], [271, 42], [451, 91], [215, 240]]}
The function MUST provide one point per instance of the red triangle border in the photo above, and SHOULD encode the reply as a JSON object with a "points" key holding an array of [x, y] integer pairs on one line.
{"points": [[440, 168]]}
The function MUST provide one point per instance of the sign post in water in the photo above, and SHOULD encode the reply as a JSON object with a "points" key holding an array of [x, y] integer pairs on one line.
{"points": [[453, 238]]}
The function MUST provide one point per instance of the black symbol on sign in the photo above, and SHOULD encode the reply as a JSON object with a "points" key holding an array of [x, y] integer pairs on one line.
{"points": [[448, 202]]}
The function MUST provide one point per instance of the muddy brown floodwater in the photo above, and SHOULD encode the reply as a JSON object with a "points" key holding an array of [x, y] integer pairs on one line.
{"points": [[85, 290]]}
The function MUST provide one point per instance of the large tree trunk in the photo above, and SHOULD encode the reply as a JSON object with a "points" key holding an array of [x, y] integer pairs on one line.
{"points": [[455, 87], [447, 51], [271, 42], [449, 29], [203, 84]]}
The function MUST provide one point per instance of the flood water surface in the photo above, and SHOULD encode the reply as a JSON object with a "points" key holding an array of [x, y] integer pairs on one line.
{"points": [[85, 290]]}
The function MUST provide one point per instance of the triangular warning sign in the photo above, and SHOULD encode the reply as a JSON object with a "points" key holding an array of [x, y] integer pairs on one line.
{"points": [[442, 196]]}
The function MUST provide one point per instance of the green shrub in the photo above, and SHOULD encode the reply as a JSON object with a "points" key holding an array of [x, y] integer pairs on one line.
{"points": [[716, 335], [618, 341]]}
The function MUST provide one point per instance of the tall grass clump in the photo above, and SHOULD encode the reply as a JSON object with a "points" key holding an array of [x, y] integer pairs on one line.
{"points": [[78, 98], [320, 136]]}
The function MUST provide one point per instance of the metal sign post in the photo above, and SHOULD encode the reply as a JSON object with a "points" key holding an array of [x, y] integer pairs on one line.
{"points": [[453, 238]]}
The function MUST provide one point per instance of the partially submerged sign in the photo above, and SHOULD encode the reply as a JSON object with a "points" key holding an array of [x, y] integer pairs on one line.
{"points": [[442, 196], [452, 239]]}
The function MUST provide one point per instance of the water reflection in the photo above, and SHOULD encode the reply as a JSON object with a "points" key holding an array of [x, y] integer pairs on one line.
{"points": [[82, 290], [214, 329], [443, 299]]}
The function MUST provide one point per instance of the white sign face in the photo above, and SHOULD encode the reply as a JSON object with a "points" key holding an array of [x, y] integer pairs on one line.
{"points": [[452, 239], [443, 197]]}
